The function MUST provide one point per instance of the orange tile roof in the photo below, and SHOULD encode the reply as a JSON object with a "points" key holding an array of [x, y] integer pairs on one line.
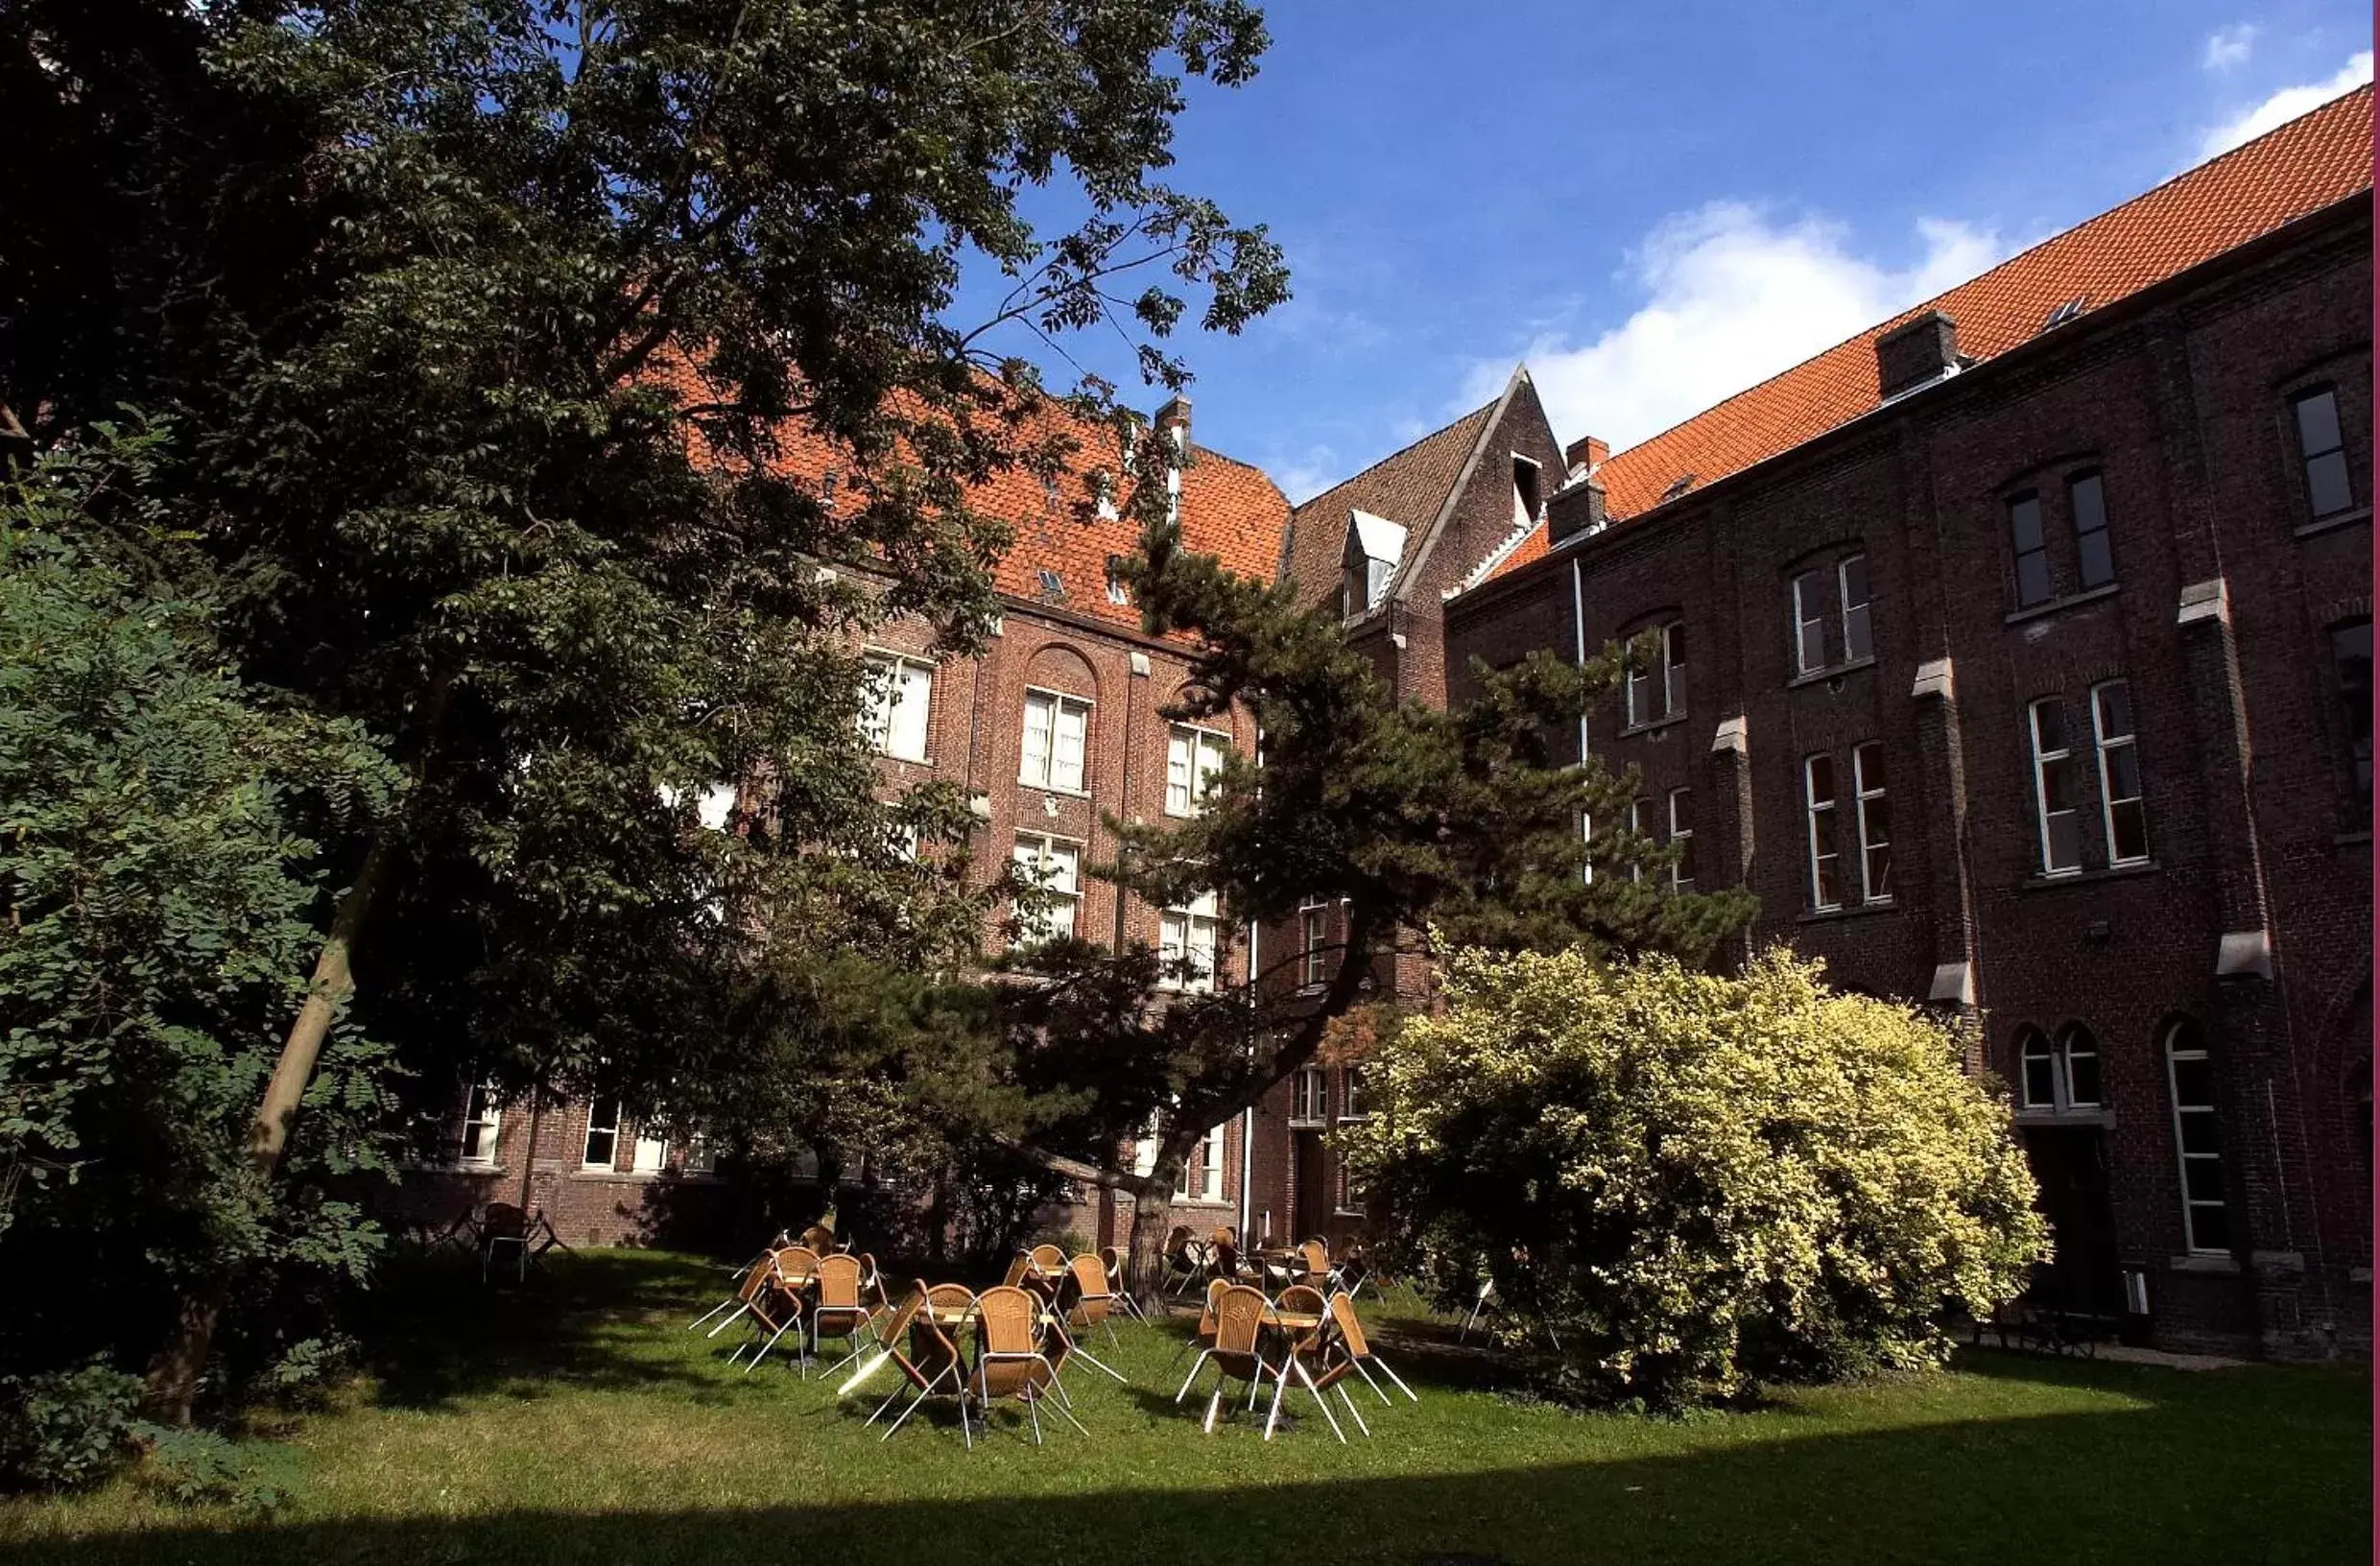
{"points": [[2319, 159], [1229, 509], [1409, 489]]}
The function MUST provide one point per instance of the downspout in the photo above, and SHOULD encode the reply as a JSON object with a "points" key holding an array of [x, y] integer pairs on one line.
{"points": [[1578, 622], [1247, 1115]]}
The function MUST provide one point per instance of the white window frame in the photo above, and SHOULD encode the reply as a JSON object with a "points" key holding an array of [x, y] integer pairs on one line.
{"points": [[1860, 613], [1637, 810], [1680, 835], [2042, 760], [1809, 623], [1201, 1172], [2057, 1051], [699, 1157], [1064, 915], [1811, 809], [2032, 1044], [1055, 766], [490, 1118], [1309, 1097], [1586, 835], [1187, 750], [1352, 1093], [2107, 744], [650, 1154], [2063, 1052], [2183, 1158], [1186, 931], [611, 1148], [1871, 801], [1314, 935], [1673, 670], [888, 702]]}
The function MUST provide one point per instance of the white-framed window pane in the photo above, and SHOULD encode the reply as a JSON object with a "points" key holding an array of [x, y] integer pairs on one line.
{"points": [[2197, 1140], [1351, 1094], [2030, 548], [1040, 718], [2094, 559], [2125, 814], [603, 1136], [1858, 636], [481, 1120], [1875, 822], [1192, 757], [2077, 1060], [1681, 837], [1056, 866], [650, 1154], [1309, 1095], [2058, 812], [1312, 937], [1818, 775], [899, 703], [2037, 1068], [2329, 487], [1640, 822], [1066, 756], [1673, 669], [701, 1158], [1639, 691], [1201, 1170], [1809, 623]]}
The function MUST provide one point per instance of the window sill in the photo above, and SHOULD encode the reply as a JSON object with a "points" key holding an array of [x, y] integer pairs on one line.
{"points": [[1051, 788], [1308, 1124], [1655, 726], [451, 1167], [2105, 1119], [2221, 1266], [2352, 839], [1836, 671], [1221, 1202], [2091, 877], [1851, 910], [2089, 595], [906, 760], [2336, 519]]}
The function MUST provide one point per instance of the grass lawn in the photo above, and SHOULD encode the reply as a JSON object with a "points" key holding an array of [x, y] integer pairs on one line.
{"points": [[576, 1420]]}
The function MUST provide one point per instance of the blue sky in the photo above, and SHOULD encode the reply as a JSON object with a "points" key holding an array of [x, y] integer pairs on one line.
{"points": [[1657, 205]]}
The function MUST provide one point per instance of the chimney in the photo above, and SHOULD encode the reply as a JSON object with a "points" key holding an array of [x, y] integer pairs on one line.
{"points": [[1910, 355], [1176, 415], [1579, 510], [1586, 452]]}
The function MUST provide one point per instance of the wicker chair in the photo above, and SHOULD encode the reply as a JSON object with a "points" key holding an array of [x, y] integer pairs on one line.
{"points": [[1112, 1262], [757, 1269], [1083, 1302], [839, 1310], [796, 1266], [1350, 1348], [1236, 1355], [819, 1238], [1007, 1361], [1317, 1258], [774, 1311], [1020, 1268], [932, 1363], [1185, 1262], [1203, 1335], [1048, 1260], [1300, 1344]]}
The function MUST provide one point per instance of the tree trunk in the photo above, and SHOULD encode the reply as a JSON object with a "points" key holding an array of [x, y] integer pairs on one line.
{"points": [[1153, 1216]]}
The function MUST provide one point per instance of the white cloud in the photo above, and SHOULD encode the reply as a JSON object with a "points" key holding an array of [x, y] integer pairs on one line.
{"points": [[1306, 475], [2228, 48], [1732, 298], [2285, 106]]}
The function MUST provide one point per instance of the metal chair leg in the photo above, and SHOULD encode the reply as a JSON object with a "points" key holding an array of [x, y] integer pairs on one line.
{"points": [[1352, 1411], [1204, 1355], [1319, 1401]]}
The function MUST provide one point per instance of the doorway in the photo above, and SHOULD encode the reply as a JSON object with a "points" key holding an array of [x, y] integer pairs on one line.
{"points": [[1310, 1164], [2070, 1165]]}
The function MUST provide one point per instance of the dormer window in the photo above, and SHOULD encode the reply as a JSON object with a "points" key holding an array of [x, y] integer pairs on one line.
{"points": [[1375, 545], [1528, 500]]}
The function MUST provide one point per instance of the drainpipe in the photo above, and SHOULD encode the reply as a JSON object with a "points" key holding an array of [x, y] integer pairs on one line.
{"points": [[1578, 623], [1248, 1116]]}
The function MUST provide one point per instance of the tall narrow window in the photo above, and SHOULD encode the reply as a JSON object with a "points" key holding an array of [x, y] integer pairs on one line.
{"points": [[1681, 838], [1875, 823], [1192, 757], [2078, 1063], [1313, 952], [651, 1151], [2033, 549], [1352, 1106], [1640, 822], [2329, 488], [2197, 1137], [2036, 1068], [1186, 939], [1859, 639], [1056, 866], [1202, 1170], [602, 1134], [1587, 836], [701, 1155], [1054, 726], [2059, 817], [2094, 561], [2125, 816], [1817, 774], [901, 695], [2351, 666], [1309, 1095], [481, 1120], [1673, 669], [1809, 623]]}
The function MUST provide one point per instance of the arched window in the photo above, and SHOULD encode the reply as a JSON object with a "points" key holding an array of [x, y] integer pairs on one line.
{"points": [[2197, 1139], [2037, 1069], [2078, 1057], [2060, 1075]]}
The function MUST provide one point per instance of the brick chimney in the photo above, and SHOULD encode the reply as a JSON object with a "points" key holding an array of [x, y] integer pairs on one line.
{"points": [[1578, 510], [1586, 452], [1918, 352], [1176, 415]]}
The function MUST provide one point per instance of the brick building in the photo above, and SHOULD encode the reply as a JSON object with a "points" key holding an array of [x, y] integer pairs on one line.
{"points": [[2017, 654], [1054, 724]]}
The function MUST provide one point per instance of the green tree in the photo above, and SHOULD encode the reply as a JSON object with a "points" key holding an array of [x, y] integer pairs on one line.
{"points": [[491, 320], [158, 900], [1696, 1181]]}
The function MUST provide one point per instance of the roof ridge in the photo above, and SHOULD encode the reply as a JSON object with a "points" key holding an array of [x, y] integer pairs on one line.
{"points": [[1406, 449], [1909, 312]]}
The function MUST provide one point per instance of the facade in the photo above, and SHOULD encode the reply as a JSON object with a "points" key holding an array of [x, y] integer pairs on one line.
{"points": [[2017, 654]]}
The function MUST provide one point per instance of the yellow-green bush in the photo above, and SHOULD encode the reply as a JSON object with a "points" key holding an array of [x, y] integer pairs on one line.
{"points": [[1696, 1181]]}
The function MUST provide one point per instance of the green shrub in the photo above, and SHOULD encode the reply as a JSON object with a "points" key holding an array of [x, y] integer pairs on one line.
{"points": [[65, 1429], [1696, 1181], [198, 1467]]}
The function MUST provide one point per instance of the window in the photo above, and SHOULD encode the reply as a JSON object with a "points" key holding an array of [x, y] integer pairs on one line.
{"points": [[1351, 1094], [1187, 942], [2123, 814], [1056, 866], [1586, 835], [2329, 490], [1527, 507], [2061, 1076], [1192, 757], [702, 1158], [481, 1120], [2033, 549], [900, 694], [2054, 791], [1054, 726], [1857, 634], [2094, 562], [1202, 1170], [1640, 822], [1657, 692], [1809, 623], [1817, 777], [1117, 593], [1104, 487], [1875, 823], [1682, 839], [2197, 1137], [1673, 669], [603, 1136], [1314, 947], [2350, 664], [1309, 1096], [650, 1152]]}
